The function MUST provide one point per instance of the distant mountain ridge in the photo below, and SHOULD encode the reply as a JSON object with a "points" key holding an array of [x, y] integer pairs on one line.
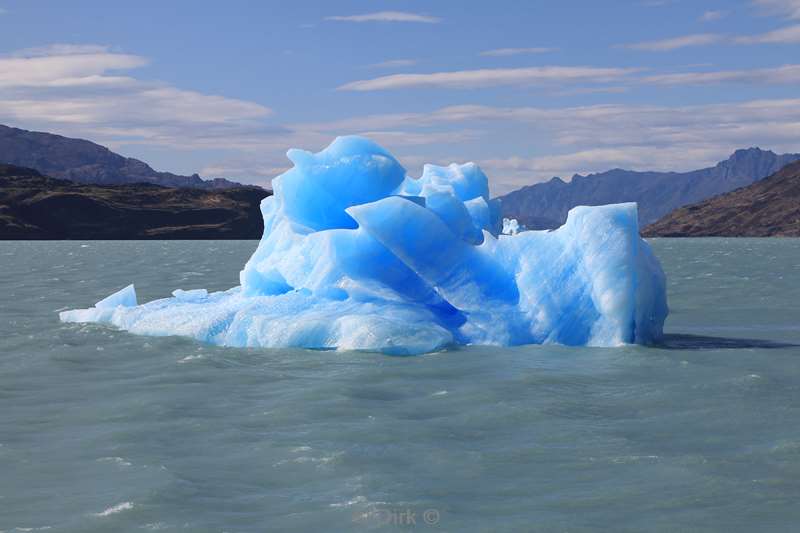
{"points": [[83, 161], [34, 206], [766, 208], [545, 205]]}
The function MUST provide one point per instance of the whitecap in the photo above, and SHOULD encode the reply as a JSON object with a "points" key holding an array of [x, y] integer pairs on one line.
{"points": [[190, 358], [118, 460], [114, 509], [348, 503]]}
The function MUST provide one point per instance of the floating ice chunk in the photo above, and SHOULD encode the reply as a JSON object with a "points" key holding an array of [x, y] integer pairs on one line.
{"points": [[104, 309], [194, 295], [357, 255], [125, 297]]}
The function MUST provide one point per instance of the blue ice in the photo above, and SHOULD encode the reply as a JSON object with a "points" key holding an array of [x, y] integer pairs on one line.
{"points": [[357, 255]]}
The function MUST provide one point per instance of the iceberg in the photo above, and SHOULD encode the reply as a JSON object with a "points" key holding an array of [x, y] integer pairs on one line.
{"points": [[357, 255]]}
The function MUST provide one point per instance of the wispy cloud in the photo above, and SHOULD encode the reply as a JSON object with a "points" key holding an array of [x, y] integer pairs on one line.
{"points": [[504, 52], [65, 65], [394, 63], [788, 35], [593, 90], [763, 76], [491, 77], [61, 49], [666, 45], [710, 16], [788, 8], [386, 16]]}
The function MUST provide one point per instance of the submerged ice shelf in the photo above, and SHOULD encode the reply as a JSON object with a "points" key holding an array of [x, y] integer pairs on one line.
{"points": [[357, 255]]}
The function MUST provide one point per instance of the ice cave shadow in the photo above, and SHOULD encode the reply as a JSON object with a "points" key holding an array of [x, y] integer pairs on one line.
{"points": [[682, 341]]}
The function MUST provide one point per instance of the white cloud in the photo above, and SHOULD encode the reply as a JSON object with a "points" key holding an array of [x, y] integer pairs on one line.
{"points": [[65, 65], [564, 76], [77, 90], [789, 8], [593, 90], [61, 49], [786, 35], [394, 63], [386, 16], [504, 52], [666, 45], [767, 76], [491, 77], [710, 16]]}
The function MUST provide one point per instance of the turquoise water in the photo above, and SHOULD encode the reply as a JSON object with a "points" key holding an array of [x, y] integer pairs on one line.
{"points": [[101, 430]]}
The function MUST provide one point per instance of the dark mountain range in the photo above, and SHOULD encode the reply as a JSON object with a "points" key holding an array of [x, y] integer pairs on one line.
{"points": [[33, 206], [545, 205], [767, 208], [86, 162]]}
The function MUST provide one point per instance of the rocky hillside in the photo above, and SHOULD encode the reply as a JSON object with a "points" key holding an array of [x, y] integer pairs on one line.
{"points": [[767, 208], [86, 162], [545, 205], [33, 206]]}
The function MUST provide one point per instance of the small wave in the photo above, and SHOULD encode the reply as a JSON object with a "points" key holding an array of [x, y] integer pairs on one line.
{"points": [[349, 503], [790, 447], [324, 460], [117, 460], [124, 506], [626, 459], [155, 526], [190, 358]]}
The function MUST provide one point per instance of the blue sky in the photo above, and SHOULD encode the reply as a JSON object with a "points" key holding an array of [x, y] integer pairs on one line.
{"points": [[527, 89]]}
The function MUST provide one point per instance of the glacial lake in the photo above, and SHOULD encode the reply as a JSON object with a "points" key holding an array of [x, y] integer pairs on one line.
{"points": [[101, 430]]}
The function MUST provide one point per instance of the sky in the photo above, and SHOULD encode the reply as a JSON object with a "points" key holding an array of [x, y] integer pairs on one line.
{"points": [[527, 89]]}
